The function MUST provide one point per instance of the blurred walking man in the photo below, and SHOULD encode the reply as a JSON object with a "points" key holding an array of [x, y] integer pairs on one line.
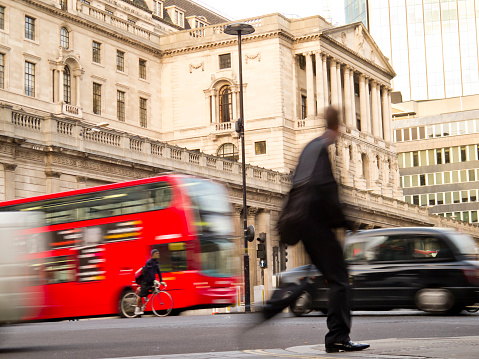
{"points": [[318, 238]]}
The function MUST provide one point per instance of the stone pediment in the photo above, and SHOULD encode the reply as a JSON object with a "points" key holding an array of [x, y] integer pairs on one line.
{"points": [[356, 37]]}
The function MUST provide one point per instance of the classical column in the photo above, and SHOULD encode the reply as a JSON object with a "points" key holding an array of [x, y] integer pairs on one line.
{"points": [[353, 99], [374, 109], [368, 105], [10, 180], [325, 81], [380, 113], [347, 98], [334, 83], [60, 86], [77, 77], [340, 92], [310, 84], [386, 114], [362, 104], [295, 89], [319, 83]]}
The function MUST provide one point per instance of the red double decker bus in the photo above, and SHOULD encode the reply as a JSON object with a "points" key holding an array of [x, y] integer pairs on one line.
{"points": [[99, 236]]}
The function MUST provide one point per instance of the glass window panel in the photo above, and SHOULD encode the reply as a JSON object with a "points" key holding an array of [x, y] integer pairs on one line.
{"points": [[415, 159], [462, 128], [455, 154], [430, 179], [408, 199], [474, 216], [430, 131], [465, 216], [445, 129], [414, 133], [471, 151], [448, 197], [415, 200], [407, 181], [464, 196], [455, 176], [447, 177], [463, 176], [440, 198], [454, 129], [438, 130], [415, 180], [455, 197], [407, 160], [422, 132], [432, 159], [439, 156], [432, 199], [423, 158], [423, 201], [457, 216], [462, 154], [447, 157], [439, 178], [399, 135], [406, 134], [422, 180], [473, 195]]}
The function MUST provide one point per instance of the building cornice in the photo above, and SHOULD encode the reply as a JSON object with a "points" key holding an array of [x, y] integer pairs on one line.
{"points": [[194, 48], [91, 26]]}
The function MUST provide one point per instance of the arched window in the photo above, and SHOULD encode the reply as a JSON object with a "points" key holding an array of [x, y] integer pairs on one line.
{"points": [[64, 38], [226, 104], [228, 151], [67, 85]]}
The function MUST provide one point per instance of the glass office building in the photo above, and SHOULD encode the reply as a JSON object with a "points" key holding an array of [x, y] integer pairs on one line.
{"points": [[432, 44]]}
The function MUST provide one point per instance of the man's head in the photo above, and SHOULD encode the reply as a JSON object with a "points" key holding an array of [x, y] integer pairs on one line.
{"points": [[155, 253], [331, 115]]}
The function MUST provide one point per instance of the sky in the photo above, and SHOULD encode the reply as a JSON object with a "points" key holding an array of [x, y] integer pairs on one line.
{"points": [[237, 10]]}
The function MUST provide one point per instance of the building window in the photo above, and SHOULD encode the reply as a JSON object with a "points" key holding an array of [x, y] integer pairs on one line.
{"points": [[463, 153], [225, 61], [29, 28], [96, 52], [260, 147], [64, 4], [226, 104], [228, 151], [120, 105], [2, 18], [29, 78], [64, 38], [302, 62], [178, 19], [96, 99], [2, 71], [67, 85], [157, 8], [143, 112], [303, 107], [120, 60], [142, 69]]}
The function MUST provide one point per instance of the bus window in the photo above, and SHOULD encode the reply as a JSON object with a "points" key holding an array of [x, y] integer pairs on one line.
{"points": [[59, 269], [172, 257]]}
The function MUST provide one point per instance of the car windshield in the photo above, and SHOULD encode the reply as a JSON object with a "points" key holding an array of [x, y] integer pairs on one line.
{"points": [[465, 244]]}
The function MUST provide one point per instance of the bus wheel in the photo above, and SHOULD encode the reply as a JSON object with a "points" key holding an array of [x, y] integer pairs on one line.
{"points": [[128, 304]]}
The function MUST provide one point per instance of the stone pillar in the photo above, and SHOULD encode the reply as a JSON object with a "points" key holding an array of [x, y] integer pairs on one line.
{"points": [[319, 84], [353, 99], [61, 99], [10, 181], [295, 89], [387, 114], [310, 84], [334, 84], [325, 81], [362, 104], [340, 92], [380, 113], [81, 182], [347, 98], [52, 182], [368, 106], [374, 109]]}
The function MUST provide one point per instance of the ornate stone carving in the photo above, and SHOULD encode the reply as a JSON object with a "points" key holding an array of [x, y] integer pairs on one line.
{"points": [[344, 38], [9, 167], [52, 174], [358, 40], [252, 57], [196, 67]]}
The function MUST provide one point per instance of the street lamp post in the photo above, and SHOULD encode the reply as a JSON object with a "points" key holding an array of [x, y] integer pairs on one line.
{"points": [[240, 29]]}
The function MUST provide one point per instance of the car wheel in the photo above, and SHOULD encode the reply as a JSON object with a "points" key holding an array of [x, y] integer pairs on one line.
{"points": [[438, 300], [302, 305]]}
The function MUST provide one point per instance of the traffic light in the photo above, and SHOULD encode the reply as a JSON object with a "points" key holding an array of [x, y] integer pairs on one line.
{"points": [[261, 252]]}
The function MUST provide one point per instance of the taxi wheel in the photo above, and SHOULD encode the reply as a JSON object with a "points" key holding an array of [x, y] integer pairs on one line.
{"points": [[437, 300], [302, 305]]}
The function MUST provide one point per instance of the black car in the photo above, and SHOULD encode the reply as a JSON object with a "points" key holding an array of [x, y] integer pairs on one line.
{"points": [[432, 269]]}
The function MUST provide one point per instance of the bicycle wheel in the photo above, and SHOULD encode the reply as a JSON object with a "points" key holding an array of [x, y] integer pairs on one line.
{"points": [[162, 304], [128, 305]]}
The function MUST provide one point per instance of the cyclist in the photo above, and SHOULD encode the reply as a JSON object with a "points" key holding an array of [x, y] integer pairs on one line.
{"points": [[150, 270]]}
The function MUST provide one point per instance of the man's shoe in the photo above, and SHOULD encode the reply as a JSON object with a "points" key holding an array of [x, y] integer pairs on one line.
{"points": [[347, 347], [138, 311]]}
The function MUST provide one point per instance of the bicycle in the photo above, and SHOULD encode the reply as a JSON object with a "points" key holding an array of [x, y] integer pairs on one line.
{"points": [[161, 302]]}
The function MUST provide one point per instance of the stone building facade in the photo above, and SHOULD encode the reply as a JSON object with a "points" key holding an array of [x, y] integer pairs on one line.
{"points": [[102, 91]]}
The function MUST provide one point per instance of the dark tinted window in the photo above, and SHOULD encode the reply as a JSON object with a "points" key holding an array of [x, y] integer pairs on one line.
{"points": [[172, 257]]}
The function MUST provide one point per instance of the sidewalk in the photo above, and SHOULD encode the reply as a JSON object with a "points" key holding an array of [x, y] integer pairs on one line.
{"points": [[429, 348]]}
